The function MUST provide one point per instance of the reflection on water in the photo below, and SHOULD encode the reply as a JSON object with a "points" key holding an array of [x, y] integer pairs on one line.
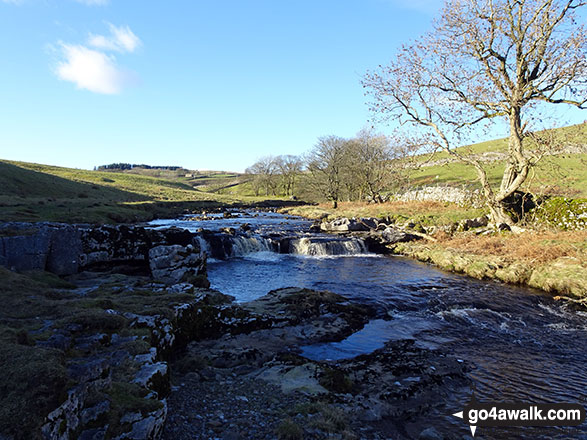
{"points": [[520, 343]]}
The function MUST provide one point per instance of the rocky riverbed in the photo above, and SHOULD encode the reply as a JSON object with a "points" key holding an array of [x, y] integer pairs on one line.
{"points": [[257, 385], [130, 344]]}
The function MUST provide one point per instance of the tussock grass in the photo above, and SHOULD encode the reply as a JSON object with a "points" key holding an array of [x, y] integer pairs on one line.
{"points": [[532, 247]]}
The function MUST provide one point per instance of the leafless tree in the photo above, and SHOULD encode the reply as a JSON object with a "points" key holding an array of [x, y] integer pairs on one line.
{"points": [[264, 175], [289, 168], [326, 164], [487, 61]]}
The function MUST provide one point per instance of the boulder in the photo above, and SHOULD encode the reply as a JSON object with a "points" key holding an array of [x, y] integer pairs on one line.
{"points": [[348, 225], [391, 235], [53, 247], [174, 264]]}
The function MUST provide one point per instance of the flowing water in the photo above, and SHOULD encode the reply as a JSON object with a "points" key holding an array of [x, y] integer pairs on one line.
{"points": [[520, 343]]}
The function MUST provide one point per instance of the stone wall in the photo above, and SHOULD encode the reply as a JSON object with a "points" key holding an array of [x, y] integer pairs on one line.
{"points": [[460, 196]]}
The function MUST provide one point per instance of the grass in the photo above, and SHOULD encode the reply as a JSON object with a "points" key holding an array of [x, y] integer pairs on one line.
{"points": [[35, 305], [426, 213], [564, 174], [536, 247], [33, 192]]}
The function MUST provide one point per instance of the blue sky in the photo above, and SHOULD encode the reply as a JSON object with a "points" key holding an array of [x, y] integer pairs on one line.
{"points": [[209, 84]]}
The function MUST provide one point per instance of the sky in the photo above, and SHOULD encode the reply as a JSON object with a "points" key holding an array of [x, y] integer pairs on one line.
{"points": [[212, 84]]}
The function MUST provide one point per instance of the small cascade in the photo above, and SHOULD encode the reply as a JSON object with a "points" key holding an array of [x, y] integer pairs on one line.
{"points": [[204, 246], [325, 247], [242, 245]]}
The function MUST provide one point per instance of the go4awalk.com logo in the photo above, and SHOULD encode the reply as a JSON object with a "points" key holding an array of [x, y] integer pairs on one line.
{"points": [[478, 414]]}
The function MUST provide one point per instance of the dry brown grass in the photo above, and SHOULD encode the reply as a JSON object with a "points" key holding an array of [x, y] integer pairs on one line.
{"points": [[539, 247], [430, 212]]}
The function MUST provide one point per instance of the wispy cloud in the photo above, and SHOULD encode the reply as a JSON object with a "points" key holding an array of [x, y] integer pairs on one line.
{"points": [[121, 39], [91, 70], [13, 2], [92, 66]]}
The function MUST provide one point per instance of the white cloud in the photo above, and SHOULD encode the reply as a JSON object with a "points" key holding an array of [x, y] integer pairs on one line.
{"points": [[93, 2], [121, 39], [12, 2], [91, 70]]}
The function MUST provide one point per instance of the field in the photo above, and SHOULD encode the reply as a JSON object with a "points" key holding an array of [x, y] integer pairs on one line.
{"points": [[562, 174], [33, 192]]}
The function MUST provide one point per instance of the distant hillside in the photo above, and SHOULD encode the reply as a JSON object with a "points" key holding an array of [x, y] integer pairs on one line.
{"points": [[561, 174], [41, 192]]}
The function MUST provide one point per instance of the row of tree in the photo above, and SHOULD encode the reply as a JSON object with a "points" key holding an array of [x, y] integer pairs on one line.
{"points": [[359, 168], [484, 62]]}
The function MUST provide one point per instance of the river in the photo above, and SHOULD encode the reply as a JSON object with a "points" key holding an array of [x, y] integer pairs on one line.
{"points": [[521, 345]]}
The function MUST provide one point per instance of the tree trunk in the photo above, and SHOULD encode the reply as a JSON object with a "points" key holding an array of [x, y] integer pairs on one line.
{"points": [[335, 204]]}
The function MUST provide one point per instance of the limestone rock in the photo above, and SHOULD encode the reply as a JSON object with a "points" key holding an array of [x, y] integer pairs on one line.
{"points": [[174, 264]]}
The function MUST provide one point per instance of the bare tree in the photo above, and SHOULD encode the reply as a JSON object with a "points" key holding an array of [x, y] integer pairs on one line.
{"points": [[289, 168], [373, 163], [325, 164], [264, 175], [486, 61]]}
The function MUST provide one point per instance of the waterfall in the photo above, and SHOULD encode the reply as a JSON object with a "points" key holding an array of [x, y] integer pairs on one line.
{"points": [[323, 247], [204, 246], [222, 246], [247, 245]]}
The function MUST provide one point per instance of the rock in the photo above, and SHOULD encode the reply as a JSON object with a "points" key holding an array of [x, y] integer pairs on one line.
{"points": [[154, 377], [301, 379], [391, 235], [430, 434], [94, 434], [344, 225], [149, 427], [174, 264], [465, 225], [93, 414], [54, 247]]}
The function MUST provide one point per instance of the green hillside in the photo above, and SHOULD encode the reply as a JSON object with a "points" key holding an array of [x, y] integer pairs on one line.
{"points": [[563, 174], [42, 192]]}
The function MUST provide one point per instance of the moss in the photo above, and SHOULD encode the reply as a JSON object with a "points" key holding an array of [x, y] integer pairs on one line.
{"points": [[34, 383], [336, 381], [563, 213], [330, 419], [566, 275], [289, 430], [127, 398], [95, 320]]}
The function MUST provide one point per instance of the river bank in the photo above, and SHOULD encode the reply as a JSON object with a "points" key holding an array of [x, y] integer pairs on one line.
{"points": [[554, 261]]}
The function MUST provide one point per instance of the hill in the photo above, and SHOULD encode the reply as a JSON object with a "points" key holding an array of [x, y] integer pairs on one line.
{"points": [[564, 173], [33, 192]]}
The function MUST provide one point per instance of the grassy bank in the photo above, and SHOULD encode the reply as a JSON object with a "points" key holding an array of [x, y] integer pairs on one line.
{"points": [[33, 192], [551, 261], [425, 213]]}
